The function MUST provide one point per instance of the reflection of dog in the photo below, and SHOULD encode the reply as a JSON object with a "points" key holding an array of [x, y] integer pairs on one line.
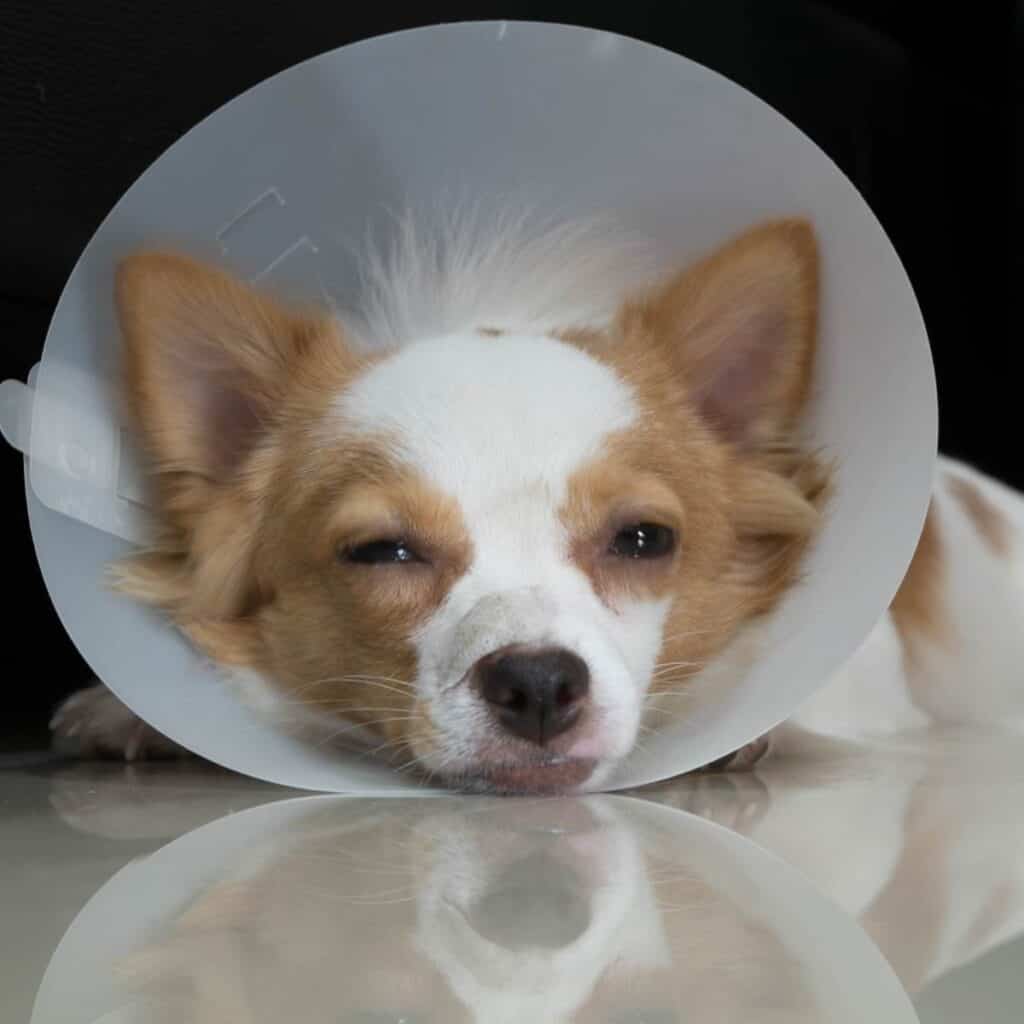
{"points": [[146, 801], [921, 841], [457, 914], [487, 521]]}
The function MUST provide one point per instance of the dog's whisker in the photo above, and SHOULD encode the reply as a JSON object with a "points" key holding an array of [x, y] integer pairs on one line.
{"points": [[369, 725], [340, 706], [667, 712], [685, 634], [685, 663], [380, 682], [367, 678], [671, 664], [667, 707], [669, 670], [390, 744], [671, 678], [412, 763], [685, 693]]}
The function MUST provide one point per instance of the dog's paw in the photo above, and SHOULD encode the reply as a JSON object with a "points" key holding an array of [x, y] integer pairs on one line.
{"points": [[746, 758], [737, 801], [97, 724]]}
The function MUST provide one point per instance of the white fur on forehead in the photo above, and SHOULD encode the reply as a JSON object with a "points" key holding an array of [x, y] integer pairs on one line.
{"points": [[454, 272], [485, 417]]}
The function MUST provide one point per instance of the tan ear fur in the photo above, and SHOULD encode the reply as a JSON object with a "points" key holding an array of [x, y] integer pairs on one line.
{"points": [[212, 371], [206, 359], [742, 325]]}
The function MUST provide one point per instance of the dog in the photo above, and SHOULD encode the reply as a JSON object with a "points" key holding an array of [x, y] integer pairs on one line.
{"points": [[485, 528]]}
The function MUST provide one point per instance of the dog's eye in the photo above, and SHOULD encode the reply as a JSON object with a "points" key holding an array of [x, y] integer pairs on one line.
{"points": [[382, 552], [644, 540]]}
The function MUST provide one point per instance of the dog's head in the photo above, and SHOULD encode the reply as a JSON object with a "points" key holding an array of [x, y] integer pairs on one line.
{"points": [[491, 545]]}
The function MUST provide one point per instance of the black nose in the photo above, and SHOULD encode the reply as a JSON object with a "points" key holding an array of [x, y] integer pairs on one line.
{"points": [[535, 694]]}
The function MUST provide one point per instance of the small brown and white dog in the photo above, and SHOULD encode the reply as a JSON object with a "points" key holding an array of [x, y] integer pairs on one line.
{"points": [[487, 524]]}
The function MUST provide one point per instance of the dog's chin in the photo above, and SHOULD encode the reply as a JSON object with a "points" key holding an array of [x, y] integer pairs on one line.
{"points": [[554, 776]]}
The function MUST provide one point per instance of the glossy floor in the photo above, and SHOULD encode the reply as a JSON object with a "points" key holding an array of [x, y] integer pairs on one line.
{"points": [[848, 884]]}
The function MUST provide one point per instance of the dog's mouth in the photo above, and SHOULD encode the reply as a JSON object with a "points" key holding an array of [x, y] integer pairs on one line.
{"points": [[549, 777]]}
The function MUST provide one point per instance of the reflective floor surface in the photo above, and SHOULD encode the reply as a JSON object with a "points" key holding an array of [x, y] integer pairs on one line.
{"points": [[851, 884]]}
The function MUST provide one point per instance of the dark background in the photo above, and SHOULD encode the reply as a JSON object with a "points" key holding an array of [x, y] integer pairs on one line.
{"points": [[916, 102]]}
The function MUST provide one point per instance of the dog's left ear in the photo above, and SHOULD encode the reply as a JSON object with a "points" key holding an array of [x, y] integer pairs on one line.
{"points": [[207, 360], [209, 366], [741, 326]]}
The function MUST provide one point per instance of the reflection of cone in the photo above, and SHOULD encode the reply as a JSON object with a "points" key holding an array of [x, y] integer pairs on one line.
{"points": [[334, 905], [577, 123]]}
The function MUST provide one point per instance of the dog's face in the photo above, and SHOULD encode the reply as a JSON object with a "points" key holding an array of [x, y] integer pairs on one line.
{"points": [[490, 547]]}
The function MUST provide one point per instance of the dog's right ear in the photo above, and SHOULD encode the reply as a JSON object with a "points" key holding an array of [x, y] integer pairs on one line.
{"points": [[207, 361]]}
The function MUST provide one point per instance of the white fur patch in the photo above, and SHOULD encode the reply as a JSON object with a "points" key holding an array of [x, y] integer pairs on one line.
{"points": [[500, 425], [977, 678], [973, 675], [486, 419]]}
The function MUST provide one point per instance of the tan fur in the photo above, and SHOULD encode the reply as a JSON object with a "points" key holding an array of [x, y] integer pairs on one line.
{"points": [[917, 609], [247, 563], [182, 324], [766, 278], [992, 526]]}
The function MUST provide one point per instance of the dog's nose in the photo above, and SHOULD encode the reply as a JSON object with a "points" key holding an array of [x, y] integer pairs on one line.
{"points": [[535, 694]]}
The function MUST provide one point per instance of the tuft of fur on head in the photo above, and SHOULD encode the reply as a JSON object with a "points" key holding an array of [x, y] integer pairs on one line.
{"points": [[504, 269], [504, 401]]}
